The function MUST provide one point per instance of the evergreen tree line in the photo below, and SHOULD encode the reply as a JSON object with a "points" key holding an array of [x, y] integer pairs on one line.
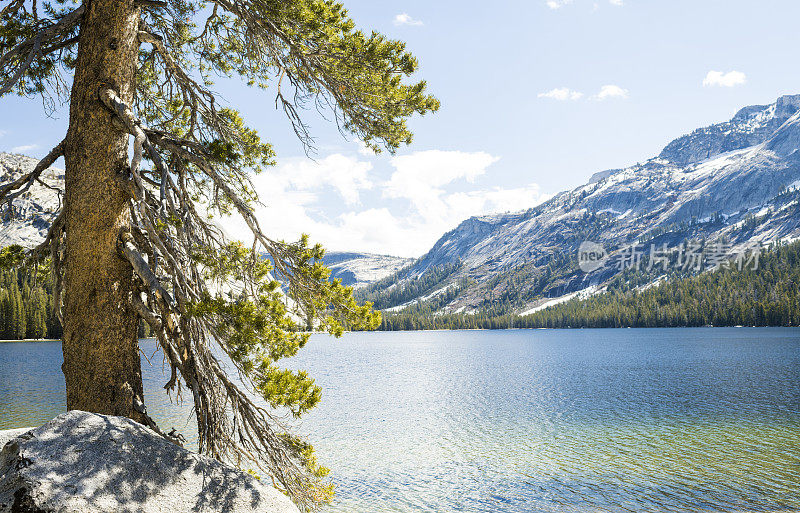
{"points": [[767, 296], [728, 296]]}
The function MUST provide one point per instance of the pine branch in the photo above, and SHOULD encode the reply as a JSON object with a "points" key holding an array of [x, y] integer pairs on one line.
{"points": [[229, 422], [18, 60]]}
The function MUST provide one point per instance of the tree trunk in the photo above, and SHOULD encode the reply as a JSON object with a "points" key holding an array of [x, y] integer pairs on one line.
{"points": [[101, 354]]}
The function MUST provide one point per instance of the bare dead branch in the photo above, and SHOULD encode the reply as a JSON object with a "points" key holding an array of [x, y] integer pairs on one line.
{"points": [[140, 267], [23, 183]]}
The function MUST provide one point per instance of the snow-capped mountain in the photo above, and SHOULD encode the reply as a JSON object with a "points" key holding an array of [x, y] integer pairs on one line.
{"points": [[737, 180]]}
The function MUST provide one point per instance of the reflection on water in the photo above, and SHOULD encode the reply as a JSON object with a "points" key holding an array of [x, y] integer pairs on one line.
{"points": [[525, 421]]}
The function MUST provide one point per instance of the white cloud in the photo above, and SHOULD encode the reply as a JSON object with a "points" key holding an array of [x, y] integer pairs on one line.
{"points": [[564, 93], [421, 179], [561, 94], [729, 79], [557, 4], [616, 2], [345, 174], [422, 186], [419, 176], [24, 148], [363, 149], [412, 234], [611, 91], [405, 19], [466, 204], [3, 133]]}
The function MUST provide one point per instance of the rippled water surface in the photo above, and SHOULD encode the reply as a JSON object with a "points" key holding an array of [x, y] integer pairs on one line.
{"points": [[525, 421]]}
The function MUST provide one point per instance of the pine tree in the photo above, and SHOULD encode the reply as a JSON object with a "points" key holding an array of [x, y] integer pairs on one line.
{"points": [[17, 313], [134, 241]]}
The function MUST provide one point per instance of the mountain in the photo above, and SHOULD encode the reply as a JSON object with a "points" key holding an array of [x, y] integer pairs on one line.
{"points": [[360, 269], [735, 181], [766, 295]]}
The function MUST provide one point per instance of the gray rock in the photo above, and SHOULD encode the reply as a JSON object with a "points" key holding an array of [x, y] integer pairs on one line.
{"points": [[27, 220], [9, 434], [83, 462]]}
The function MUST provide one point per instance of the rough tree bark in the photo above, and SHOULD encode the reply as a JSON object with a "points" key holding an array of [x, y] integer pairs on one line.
{"points": [[101, 358]]}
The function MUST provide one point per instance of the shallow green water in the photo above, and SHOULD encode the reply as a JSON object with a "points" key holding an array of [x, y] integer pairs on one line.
{"points": [[525, 421]]}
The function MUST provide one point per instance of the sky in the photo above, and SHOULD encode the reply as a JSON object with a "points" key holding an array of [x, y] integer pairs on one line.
{"points": [[537, 95]]}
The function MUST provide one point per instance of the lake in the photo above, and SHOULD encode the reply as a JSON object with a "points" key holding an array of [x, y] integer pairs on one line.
{"points": [[616, 420]]}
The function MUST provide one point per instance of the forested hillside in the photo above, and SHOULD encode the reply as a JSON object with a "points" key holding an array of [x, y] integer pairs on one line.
{"points": [[766, 296]]}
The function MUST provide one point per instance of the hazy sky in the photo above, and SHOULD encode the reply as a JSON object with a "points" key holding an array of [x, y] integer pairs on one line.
{"points": [[536, 96]]}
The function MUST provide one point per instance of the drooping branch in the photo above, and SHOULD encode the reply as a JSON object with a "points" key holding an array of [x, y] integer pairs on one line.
{"points": [[54, 233], [166, 232], [353, 75]]}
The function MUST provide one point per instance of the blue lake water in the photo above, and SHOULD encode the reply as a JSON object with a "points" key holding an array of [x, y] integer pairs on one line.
{"points": [[659, 420]]}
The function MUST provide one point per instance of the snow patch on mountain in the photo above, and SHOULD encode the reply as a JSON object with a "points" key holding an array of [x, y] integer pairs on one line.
{"points": [[360, 269]]}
